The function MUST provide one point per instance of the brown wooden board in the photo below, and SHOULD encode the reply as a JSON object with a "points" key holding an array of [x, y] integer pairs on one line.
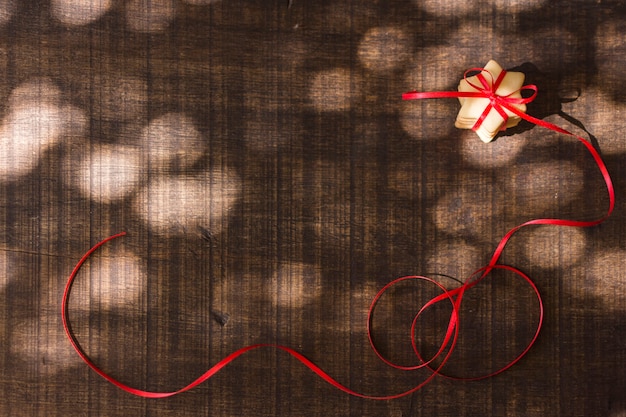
{"points": [[271, 180]]}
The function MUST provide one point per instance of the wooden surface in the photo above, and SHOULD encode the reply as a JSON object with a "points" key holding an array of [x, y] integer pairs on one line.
{"points": [[271, 181]]}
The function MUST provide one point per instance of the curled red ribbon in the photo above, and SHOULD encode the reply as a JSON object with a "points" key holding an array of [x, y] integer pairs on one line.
{"points": [[454, 296]]}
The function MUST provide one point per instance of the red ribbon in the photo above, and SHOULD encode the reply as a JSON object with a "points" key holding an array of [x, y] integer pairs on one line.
{"points": [[500, 103], [454, 296], [485, 90], [228, 359]]}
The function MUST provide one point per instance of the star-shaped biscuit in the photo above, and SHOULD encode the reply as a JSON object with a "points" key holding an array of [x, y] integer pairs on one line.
{"points": [[473, 107]]}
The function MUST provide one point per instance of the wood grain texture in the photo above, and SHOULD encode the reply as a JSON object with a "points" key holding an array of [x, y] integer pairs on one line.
{"points": [[271, 181]]}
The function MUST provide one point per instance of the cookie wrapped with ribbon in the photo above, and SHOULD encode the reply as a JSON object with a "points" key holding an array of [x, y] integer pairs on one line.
{"points": [[491, 99]]}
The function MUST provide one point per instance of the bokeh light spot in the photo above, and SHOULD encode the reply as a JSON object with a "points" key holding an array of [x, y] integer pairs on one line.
{"points": [[114, 282], [602, 277], [5, 269], [200, 2], [456, 259], [79, 12], [446, 7], [150, 15], [550, 247], [428, 119], [7, 8], [332, 90], [468, 211], [384, 49], [25, 134], [295, 284], [546, 185], [497, 153], [175, 205], [108, 173], [36, 120], [172, 139], [512, 6], [35, 91], [458, 8], [42, 342]]}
